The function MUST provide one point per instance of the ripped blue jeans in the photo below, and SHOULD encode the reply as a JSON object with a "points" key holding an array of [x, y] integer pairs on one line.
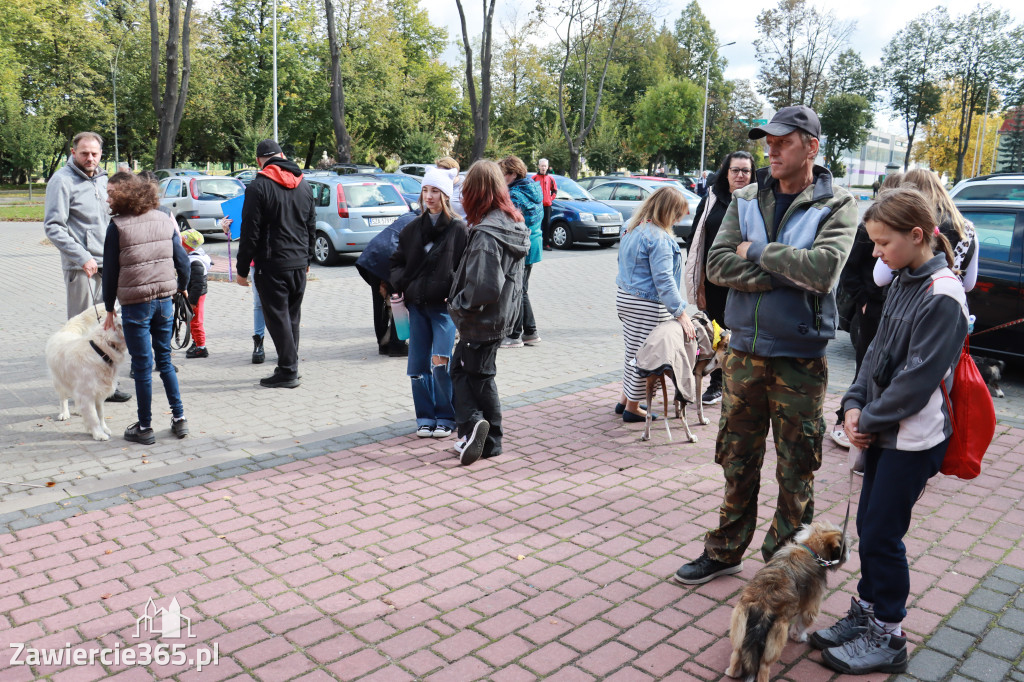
{"points": [[431, 335]]}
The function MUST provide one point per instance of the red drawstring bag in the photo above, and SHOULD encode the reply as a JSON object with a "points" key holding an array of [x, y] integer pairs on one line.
{"points": [[973, 417]]}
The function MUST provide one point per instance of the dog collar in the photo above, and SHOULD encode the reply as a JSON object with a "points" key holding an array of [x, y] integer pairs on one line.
{"points": [[99, 351], [817, 559]]}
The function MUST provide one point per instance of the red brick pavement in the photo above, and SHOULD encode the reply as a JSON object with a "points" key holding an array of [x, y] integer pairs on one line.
{"points": [[390, 562]]}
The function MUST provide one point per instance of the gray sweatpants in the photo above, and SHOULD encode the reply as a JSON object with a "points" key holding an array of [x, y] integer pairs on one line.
{"points": [[78, 285]]}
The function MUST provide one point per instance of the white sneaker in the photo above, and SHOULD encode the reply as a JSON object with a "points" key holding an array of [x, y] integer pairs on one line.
{"points": [[838, 435], [460, 445], [425, 432], [441, 432], [509, 342]]}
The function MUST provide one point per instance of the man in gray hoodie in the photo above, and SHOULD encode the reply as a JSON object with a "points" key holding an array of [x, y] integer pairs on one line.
{"points": [[75, 220]]}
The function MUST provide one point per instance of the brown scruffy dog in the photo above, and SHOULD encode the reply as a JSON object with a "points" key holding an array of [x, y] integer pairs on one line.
{"points": [[784, 595]]}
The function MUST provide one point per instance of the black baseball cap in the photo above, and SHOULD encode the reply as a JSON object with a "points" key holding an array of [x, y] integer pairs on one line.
{"points": [[788, 119], [269, 148]]}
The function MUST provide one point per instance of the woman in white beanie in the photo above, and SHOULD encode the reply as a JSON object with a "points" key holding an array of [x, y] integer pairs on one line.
{"points": [[422, 267]]}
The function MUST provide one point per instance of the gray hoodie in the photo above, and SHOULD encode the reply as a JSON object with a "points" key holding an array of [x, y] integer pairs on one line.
{"points": [[488, 286], [923, 327], [76, 215]]}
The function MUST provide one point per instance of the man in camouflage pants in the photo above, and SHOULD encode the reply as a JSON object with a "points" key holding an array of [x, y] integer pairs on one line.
{"points": [[780, 249]]}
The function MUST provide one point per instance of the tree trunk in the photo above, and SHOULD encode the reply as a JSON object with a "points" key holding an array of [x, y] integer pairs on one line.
{"points": [[342, 141], [171, 106], [310, 150], [480, 109]]}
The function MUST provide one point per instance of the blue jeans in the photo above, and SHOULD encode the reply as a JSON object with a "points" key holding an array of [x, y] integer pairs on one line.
{"points": [[147, 333], [259, 325], [431, 332]]}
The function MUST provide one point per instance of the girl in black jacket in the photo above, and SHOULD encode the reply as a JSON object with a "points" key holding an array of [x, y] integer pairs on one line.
{"points": [[422, 267], [736, 172]]}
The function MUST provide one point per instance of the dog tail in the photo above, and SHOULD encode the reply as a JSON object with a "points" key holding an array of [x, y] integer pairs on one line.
{"points": [[759, 625]]}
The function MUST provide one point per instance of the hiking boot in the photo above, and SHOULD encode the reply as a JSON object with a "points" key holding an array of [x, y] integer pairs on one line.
{"points": [[258, 354], [873, 651], [179, 427], [279, 380], [137, 434], [849, 627], [475, 443], [705, 569], [197, 352], [509, 342]]}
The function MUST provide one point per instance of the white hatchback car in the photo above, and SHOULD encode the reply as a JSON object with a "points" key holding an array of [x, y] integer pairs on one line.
{"points": [[194, 201]]}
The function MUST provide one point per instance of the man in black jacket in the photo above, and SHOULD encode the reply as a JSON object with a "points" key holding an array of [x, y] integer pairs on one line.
{"points": [[278, 230]]}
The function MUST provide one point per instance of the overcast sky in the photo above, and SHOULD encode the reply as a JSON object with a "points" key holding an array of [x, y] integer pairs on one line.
{"points": [[733, 20]]}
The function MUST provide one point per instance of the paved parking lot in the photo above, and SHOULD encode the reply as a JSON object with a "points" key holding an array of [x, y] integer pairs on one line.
{"points": [[307, 536]]}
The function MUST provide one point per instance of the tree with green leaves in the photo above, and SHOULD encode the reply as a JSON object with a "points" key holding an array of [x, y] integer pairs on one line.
{"points": [[989, 59], [796, 44], [846, 120], [849, 74], [911, 69], [667, 119]]}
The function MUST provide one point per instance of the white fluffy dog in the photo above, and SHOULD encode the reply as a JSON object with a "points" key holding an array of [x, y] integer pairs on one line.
{"points": [[78, 369]]}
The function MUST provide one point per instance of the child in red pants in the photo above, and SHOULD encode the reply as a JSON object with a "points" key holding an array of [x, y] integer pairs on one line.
{"points": [[200, 264]]}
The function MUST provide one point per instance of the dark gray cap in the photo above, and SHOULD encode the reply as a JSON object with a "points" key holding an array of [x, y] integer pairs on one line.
{"points": [[788, 119], [269, 148]]}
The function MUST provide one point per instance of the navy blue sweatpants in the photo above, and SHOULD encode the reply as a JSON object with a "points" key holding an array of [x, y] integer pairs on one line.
{"points": [[893, 480]]}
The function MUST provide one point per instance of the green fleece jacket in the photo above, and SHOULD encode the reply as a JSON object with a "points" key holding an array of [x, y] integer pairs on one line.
{"points": [[781, 296]]}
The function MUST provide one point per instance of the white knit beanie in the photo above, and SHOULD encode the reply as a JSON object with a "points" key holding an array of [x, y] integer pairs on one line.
{"points": [[440, 178]]}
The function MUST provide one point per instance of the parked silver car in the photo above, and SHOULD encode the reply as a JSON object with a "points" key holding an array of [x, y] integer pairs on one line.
{"points": [[194, 201], [350, 211], [626, 194]]}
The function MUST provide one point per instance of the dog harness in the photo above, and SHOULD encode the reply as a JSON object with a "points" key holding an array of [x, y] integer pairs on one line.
{"points": [[99, 351], [817, 559]]}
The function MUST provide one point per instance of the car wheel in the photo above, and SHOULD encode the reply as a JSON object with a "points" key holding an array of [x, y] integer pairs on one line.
{"points": [[605, 245], [561, 236], [323, 250]]}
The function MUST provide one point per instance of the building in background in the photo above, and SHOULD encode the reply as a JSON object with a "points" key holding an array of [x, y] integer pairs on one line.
{"points": [[867, 164]]}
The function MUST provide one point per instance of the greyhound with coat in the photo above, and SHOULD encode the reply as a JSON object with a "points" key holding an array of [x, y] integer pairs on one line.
{"points": [[667, 353]]}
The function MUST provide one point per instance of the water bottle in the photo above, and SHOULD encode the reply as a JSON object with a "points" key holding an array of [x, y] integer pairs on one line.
{"points": [[970, 323], [401, 315]]}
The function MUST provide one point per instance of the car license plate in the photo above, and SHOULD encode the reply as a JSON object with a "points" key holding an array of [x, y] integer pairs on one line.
{"points": [[383, 220], [610, 229]]}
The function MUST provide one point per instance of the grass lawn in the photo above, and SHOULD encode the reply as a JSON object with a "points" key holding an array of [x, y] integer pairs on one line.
{"points": [[30, 213]]}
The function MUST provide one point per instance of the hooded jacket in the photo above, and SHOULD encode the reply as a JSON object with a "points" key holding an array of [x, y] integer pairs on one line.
{"points": [[923, 327], [487, 291], [424, 274], [199, 266], [527, 197], [76, 215], [278, 220], [782, 301]]}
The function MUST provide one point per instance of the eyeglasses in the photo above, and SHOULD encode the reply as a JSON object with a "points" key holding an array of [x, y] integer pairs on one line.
{"points": [[740, 171]]}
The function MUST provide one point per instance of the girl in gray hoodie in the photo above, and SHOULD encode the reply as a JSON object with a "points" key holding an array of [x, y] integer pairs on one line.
{"points": [[896, 413]]}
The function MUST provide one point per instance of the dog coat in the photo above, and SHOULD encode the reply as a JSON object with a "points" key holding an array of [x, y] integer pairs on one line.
{"points": [[668, 349]]}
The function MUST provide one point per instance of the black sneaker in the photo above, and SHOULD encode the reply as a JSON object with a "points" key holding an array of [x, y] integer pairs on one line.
{"points": [[137, 434], [475, 443], [705, 569], [848, 628], [712, 396], [179, 427], [118, 396], [277, 380], [197, 352]]}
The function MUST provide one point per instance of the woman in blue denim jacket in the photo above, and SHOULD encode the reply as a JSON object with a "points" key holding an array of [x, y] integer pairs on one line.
{"points": [[649, 293]]}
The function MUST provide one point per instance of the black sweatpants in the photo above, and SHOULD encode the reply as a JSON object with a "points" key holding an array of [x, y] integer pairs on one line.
{"points": [[475, 393], [281, 294], [545, 226], [384, 326], [893, 480]]}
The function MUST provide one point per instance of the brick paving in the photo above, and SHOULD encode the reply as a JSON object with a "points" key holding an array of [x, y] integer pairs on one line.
{"points": [[354, 551]]}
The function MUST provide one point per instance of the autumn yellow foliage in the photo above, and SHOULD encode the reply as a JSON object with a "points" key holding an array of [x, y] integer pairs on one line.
{"points": [[938, 149]]}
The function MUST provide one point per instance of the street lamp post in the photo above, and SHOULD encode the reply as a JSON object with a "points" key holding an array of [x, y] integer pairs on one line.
{"points": [[275, 71], [704, 128], [113, 72]]}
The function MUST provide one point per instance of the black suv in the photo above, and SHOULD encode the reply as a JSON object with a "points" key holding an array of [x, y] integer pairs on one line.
{"points": [[998, 297]]}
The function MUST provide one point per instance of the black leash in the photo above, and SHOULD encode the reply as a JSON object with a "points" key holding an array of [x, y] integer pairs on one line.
{"points": [[181, 334]]}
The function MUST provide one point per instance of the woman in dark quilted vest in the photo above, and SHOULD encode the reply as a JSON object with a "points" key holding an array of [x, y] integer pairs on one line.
{"points": [[143, 265]]}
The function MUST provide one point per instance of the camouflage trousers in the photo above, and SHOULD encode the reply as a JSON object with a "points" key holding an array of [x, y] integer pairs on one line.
{"points": [[788, 394]]}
